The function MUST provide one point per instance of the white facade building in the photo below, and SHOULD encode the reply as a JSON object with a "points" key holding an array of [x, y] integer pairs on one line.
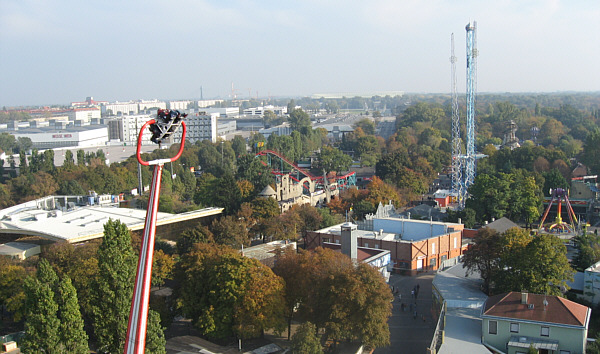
{"points": [[228, 112], [208, 103], [126, 129], [85, 114], [199, 127], [71, 136], [260, 111], [151, 104], [120, 108], [179, 105]]}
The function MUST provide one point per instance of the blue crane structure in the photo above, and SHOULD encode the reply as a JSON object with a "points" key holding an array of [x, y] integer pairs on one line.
{"points": [[470, 157], [463, 165]]}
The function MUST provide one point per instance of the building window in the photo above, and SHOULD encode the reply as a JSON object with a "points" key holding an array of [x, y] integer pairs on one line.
{"points": [[565, 352], [432, 262], [433, 248], [545, 332], [325, 239], [366, 245], [377, 246], [455, 242], [514, 328], [493, 327], [337, 241]]}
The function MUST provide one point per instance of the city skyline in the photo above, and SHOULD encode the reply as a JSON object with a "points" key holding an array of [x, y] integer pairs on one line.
{"points": [[55, 53]]}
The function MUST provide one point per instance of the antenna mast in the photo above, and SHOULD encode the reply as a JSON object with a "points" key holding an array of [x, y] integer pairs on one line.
{"points": [[471, 90], [456, 140]]}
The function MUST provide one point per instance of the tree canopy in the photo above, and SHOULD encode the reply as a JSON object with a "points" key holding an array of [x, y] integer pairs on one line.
{"points": [[226, 294], [516, 261]]}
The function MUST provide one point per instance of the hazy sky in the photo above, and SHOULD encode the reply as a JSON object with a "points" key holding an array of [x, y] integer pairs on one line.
{"points": [[55, 52]]}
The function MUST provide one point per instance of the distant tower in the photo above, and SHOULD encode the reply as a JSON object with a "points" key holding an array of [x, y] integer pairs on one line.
{"points": [[510, 136], [471, 91], [456, 140]]}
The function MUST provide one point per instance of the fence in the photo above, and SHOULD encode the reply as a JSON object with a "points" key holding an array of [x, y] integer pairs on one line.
{"points": [[438, 335]]}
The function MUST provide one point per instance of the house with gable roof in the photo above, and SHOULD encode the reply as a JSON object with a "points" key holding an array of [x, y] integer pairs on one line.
{"points": [[512, 322]]}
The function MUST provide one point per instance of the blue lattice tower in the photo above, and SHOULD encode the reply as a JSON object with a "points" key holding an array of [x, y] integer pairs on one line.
{"points": [[471, 90], [457, 156]]}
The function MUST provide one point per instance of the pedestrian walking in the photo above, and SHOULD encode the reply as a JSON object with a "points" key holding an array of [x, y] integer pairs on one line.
{"points": [[412, 293], [415, 315]]}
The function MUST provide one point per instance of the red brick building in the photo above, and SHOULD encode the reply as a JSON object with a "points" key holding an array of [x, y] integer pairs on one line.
{"points": [[414, 245]]}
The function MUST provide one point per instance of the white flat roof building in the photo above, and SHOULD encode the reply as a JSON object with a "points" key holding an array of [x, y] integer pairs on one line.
{"points": [[49, 218], [19, 250], [53, 137]]}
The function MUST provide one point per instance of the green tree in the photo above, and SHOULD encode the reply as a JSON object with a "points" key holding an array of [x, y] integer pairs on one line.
{"points": [[489, 196], [46, 274], [189, 237], [547, 268], [162, 268], [225, 293], [525, 199], [72, 334], [227, 230], [114, 287], [155, 334], [484, 256], [516, 261], [69, 160], [332, 159], [251, 169], [367, 125], [349, 302], [41, 324], [306, 340], [12, 296], [588, 247], [239, 145], [553, 179], [80, 157], [299, 120], [7, 143], [591, 151]]}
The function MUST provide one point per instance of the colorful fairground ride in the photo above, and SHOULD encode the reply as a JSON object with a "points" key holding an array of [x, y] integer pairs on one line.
{"points": [[561, 227]]}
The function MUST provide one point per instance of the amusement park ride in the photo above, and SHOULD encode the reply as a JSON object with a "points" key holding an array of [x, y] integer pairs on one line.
{"points": [[165, 124], [296, 172], [559, 195]]}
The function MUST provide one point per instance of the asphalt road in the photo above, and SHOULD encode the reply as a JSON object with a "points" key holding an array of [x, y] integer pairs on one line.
{"points": [[408, 334]]}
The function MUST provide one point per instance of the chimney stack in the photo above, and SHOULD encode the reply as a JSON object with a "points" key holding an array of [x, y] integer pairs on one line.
{"points": [[524, 298], [349, 240]]}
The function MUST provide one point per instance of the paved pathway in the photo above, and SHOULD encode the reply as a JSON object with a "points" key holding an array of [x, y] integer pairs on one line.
{"points": [[408, 334]]}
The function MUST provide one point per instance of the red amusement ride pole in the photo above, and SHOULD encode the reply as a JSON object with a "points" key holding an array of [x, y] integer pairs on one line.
{"points": [[162, 127]]}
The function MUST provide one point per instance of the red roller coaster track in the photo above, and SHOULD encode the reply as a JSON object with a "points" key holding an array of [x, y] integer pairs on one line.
{"points": [[304, 171]]}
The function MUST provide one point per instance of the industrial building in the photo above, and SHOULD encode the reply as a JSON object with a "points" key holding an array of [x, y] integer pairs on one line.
{"points": [[414, 245], [59, 135]]}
